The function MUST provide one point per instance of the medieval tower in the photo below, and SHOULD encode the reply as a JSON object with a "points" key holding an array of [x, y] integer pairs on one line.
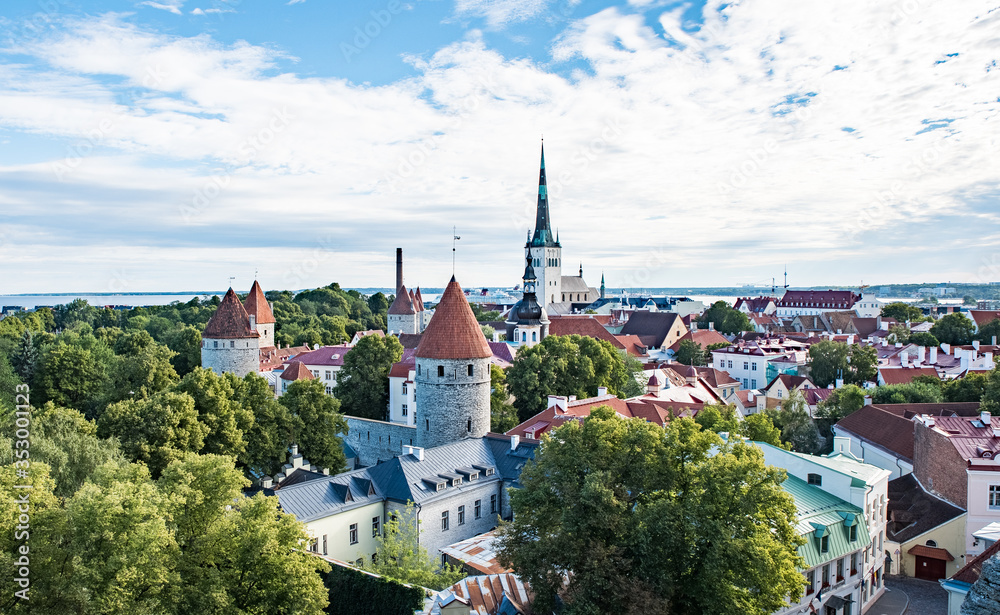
{"points": [[257, 306], [231, 340], [453, 374]]}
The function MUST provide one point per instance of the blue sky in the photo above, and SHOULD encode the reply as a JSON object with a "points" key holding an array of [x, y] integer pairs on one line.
{"points": [[172, 144]]}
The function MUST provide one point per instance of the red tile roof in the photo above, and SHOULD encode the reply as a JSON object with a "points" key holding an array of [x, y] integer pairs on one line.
{"points": [[230, 320], [931, 552], [575, 410], [814, 396], [702, 337], [633, 345], [885, 429], [410, 340], [585, 326], [790, 381], [403, 303], [453, 332], [754, 304], [325, 355], [257, 305], [905, 375], [972, 443], [716, 378], [296, 371], [971, 571], [418, 303], [983, 317], [832, 299]]}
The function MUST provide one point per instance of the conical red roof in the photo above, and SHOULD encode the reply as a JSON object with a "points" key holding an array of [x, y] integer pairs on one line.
{"points": [[296, 371], [230, 320], [453, 332], [419, 303], [257, 305], [402, 304], [416, 304]]}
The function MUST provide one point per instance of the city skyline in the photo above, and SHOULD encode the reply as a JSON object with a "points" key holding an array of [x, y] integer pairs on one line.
{"points": [[158, 146]]}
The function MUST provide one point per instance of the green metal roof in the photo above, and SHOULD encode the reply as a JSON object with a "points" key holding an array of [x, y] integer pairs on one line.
{"points": [[862, 474], [820, 514]]}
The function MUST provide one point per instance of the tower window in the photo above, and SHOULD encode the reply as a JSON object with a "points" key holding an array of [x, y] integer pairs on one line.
{"points": [[232, 344], [427, 424], [470, 369], [534, 336], [215, 344], [468, 425], [440, 371]]}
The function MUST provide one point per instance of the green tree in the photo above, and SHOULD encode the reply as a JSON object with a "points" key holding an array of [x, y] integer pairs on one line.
{"points": [[954, 328], [988, 332], [227, 420], [567, 365], [898, 332], [320, 422], [24, 358], [923, 338], [401, 557], [842, 402], [797, 428], [620, 515], [503, 415], [863, 362], [726, 319], [363, 381], [273, 428], [969, 300], [690, 353], [155, 431], [991, 393], [903, 312], [970, 388], [759, 427], [912, 393], [69, 376], [186, 342], [141, 368], [828, 362], [718, 419]]}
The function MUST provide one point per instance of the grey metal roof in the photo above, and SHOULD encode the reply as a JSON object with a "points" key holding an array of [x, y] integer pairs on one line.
{"points": [[320, 498]]}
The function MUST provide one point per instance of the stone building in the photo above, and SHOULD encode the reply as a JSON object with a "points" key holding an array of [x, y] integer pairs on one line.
{"points": [[231, 339], [453, 374]]}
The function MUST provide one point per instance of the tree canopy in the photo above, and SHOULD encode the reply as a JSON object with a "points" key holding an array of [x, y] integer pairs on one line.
{"points": [[690, 353], [363, 381], [955, 328], [400, 556], [621, 515], [903, 312], [725, 319]]}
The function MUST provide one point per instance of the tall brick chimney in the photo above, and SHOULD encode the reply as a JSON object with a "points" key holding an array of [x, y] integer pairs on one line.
{"points": [[399, 268]]}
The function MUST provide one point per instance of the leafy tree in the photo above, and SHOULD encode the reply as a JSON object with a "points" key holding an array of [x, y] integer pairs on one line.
{"points": [[273, 426], [716, 346], [363, 381], [898, 333], [25, 357], [863, 364], [759, 427], [969, 300], [970, 388], [155, 431], [912, 393], [567, 365], [828, 362], [984, 595], [991, 393], [620, 515], [503, 416], [69, 376], [8, 385], [319, 422], [726, 319], [66, 442], [228, 422], [401, 557], [488, 331], [903, 312], [141, 368], [842, 402], [989, 331], [690, 353], [797, 428], [923, 338], [186, 342], [378, 303], [954, 328], [718, 419], [74, 312]]}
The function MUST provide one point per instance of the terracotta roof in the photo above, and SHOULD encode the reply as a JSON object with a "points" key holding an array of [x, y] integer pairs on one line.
{"points": [[296, 371], [413, 301], [865, 326], [587, 327], [230, 320], [575, 410], [814, 396], [931, 552], [633, 345], [790, 381], [833, 299], [983, 317], [502, 351], [419, 301], [972, 442], [702, 337], [271, 357], [970, 572], [913, 511], [891, 432], [754, 304], [401, 369], [949, 408], [905, 375], [257, 305], [403, 303], [453, 332], [716, 378]]}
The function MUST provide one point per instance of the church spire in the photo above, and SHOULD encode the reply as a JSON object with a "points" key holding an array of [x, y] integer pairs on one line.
{"points": [[543, 228]]}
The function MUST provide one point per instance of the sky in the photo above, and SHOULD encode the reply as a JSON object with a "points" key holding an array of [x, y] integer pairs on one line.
{"points": [[170, 145]]}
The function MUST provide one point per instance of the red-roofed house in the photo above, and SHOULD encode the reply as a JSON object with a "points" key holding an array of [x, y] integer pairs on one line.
{"points": [[903, 375], [983, 317], [702, 337], [294, 371], [776, 392], [582, 325], [323, 363], [796, 302], [756, 305], [633, 345]]}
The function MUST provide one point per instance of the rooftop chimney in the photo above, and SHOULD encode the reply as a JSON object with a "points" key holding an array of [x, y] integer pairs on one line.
{"points": [[985, 418], [842, 445], [559, 401], [295, 449], [514, 441], [253, 321], [933, 357], [711, 326], [975, 344], [868, 400], [399, 268], [904, 359], [602, 391], [921, 354], [417, 452], [266, 482]]}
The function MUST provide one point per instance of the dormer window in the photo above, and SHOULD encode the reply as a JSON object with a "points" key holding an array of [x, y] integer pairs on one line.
{"points": [[440, 486], [824, 544], [456, 482], [815, 479], [489, 471]]}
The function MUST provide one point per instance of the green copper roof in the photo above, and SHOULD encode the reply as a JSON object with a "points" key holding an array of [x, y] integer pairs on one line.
{"points": [[823, 514], [862, 474], [543, 228]]}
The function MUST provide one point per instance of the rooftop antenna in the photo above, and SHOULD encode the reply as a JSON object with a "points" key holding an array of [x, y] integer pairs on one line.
{"points": [[454, 238]]}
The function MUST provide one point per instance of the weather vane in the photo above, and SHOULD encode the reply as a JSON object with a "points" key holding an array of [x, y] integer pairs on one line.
{"points": [[454, 238]]}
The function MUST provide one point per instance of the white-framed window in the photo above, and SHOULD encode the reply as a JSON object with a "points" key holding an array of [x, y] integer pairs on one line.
{"points": [[329, 390], [994, 496], [753, 366], [404, 388], [354, 533], [478, 509], [780, 393], [730, 365], [329, 374], [753, 383], [461, 515], [405, 410], [375, 526], [444, 521], [746, 365]]}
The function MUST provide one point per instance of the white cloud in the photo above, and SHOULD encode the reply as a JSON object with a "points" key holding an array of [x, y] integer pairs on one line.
{"points": [[501, 13], [173, 6], [675, 156]]}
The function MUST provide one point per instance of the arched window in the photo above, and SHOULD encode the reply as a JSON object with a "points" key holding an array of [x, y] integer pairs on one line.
{"points": [[931, 543], [534, 336]]}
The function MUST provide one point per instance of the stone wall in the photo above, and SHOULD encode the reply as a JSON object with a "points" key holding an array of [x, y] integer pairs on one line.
{"points": [[454, 405], [937, 465], [235, 356], [432, 537], [377, 441], [402, 323]]}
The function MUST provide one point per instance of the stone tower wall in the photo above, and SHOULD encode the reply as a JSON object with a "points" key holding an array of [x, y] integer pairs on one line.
{"points": [[266, 334], [236, 356], [453, 406], [403, 323]]}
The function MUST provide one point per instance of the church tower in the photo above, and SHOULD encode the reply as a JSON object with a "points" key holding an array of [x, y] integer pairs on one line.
{"points": [[453, 374], [543, 249], [528, 322]]}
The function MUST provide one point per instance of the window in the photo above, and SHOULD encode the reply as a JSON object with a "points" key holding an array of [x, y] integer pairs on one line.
{"points": [[420, 369], [931, 543], [232, 344], [994, 496], [810, 581], [314, 545], [746, 365], [375, 524], [753, 383], [427, 424], [440, 371], [746, 383], [824, 544], [534, 336], [405, 410], [315, 373], [354, 533], [854, 563], [840, 569], [329, 374], [324, 544], [753, 366], [468, 426], [853, 534], [461, 515], [478, 510], [215, 344], [329, 390], [524, 336], [826, 574], [493, 504], [730, 365], [470, 369], [815, 479], [444, 521], [779, 393], [404, 388]]}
